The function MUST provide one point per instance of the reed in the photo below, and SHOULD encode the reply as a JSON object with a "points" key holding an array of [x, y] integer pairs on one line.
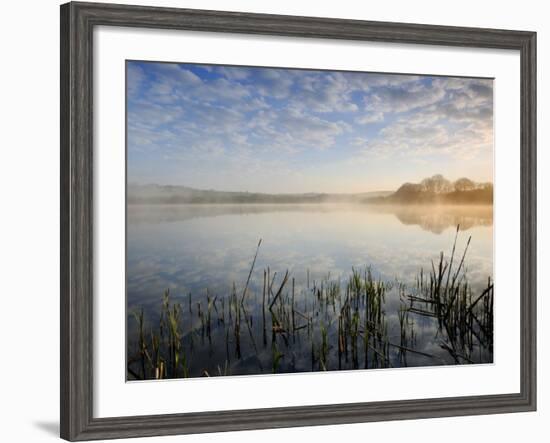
{"points": [[346, 323]]}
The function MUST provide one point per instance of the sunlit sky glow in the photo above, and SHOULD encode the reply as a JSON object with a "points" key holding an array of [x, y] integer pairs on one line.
{"points": [[288, 130]]}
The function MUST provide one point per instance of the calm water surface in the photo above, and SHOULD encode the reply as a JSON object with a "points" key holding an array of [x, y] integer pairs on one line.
{"points": [[198, 249]]}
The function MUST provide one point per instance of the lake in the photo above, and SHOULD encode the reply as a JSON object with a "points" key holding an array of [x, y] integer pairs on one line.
{"points": [[203, 255]]}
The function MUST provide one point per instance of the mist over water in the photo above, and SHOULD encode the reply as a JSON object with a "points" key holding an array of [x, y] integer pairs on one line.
{"points": [[194, 247], [200, 249]]}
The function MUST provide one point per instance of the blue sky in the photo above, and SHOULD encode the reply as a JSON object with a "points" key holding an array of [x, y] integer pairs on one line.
{"points": [[289, 130]]}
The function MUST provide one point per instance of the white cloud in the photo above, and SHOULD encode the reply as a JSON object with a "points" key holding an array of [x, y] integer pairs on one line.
{"points": [[233, 73], [371, 117], [294, 130], [274, 83], [403, 98], [232, 119], [134, 78]]}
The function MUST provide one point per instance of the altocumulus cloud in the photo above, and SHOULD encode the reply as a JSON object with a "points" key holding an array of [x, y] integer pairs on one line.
{"points": [[271, 129]]}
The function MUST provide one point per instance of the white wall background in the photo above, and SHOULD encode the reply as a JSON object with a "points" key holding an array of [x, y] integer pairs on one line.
{"points": [[29, 225]]}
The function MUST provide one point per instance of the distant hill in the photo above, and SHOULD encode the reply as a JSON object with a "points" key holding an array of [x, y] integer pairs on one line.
{"points": [[161, 194], [439, 190]]}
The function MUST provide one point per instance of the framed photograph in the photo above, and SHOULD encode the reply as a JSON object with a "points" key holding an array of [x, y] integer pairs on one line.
{"points": [[273, 221]]}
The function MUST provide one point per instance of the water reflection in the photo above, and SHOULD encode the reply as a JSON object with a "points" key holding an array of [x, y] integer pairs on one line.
{"points": [[203, 249], [174, 213], [438, 218], [430, 218]]}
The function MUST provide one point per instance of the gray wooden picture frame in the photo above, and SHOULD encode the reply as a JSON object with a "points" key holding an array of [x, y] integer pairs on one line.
{"points": [[77, 23]]}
